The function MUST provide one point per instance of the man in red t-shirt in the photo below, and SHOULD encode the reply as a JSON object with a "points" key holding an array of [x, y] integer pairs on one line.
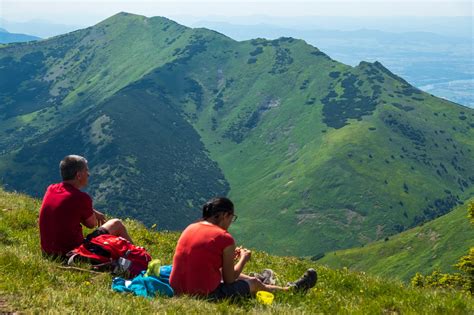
{"points": [[65, 207]]}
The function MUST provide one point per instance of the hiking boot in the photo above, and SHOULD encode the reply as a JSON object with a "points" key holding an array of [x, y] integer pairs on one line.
{"points": [[306, 282]]}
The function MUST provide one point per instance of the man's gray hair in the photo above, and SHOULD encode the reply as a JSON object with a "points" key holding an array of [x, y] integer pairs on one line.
{"points": [[70, 165]]}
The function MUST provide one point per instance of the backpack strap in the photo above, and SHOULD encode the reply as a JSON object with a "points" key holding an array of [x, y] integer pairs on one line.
{"points": [[70, 261], [102, 265]]}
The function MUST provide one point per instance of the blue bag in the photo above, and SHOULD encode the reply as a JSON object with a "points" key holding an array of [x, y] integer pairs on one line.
{"points": [[146, 286]]}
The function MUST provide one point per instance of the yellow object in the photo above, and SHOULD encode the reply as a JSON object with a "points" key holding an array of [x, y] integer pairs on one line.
{"points": [[264, 297], [153, 268]]}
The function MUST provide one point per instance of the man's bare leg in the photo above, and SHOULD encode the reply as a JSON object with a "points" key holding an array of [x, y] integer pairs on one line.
{"points": [[117, 228]]}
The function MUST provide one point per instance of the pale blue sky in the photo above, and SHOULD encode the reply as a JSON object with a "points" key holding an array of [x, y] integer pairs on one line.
{"points": [[87, 12]]}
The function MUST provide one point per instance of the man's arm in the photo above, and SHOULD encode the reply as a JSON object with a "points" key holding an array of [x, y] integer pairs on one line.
{"points": [[96, 219]]}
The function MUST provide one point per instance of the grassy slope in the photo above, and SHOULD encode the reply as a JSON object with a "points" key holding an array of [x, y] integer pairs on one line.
{"points": [[30, 283], [436, 245]]}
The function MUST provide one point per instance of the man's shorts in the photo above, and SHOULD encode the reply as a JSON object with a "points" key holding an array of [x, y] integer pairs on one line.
{"points": [[239, 288], [99, 231]]}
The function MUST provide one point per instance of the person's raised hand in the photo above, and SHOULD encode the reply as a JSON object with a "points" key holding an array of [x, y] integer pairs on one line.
{"points": [[100, 217], [237, 252], [245, 254]]}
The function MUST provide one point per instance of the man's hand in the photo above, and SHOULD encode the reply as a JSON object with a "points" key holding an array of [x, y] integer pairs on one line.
{"points": [[100, 217]]}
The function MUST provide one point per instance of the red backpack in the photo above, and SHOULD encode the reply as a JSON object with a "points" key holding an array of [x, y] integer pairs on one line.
{"points": [[114, 253]]}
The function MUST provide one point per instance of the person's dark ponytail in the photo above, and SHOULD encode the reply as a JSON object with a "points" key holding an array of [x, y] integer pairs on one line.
{"points": [[216, 205], [207, 210]]}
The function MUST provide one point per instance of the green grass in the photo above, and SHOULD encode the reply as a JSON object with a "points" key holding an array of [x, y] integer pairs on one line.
{"points": [[437, 245], [30, 283]]}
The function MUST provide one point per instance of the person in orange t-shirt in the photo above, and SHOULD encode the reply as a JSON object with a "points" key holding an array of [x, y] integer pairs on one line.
{"points": [[203, 263]]}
